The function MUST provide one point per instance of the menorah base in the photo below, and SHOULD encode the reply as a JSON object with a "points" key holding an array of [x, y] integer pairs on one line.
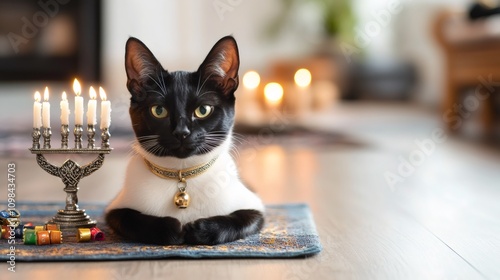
{"points": [[70, 220]]}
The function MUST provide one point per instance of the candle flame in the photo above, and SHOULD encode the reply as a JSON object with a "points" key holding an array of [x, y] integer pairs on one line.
{"points": [[64, 96], [303, 77], [102, 94], [93, 94], [37, 96], [251, 80], [76, 87], [273, 93], [46, 94]]}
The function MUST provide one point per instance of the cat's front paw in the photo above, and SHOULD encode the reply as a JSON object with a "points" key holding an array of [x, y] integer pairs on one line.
{"points": [[132, 225], [202, 232], [222, 229]]}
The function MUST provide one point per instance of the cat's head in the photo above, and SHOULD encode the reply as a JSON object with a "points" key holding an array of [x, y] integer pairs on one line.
{"points": [[182, 114]]}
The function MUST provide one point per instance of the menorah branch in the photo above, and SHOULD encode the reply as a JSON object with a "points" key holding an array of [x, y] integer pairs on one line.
{"points": [[64, 136], [90, 136], [70, 172], [105, 135], [36, 134], [78, 131], [46, 137], [93, 166], [45, 165]]}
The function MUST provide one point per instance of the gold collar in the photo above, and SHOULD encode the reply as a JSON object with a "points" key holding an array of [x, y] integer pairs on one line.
{"points": [[181, 198], [181, 174]]}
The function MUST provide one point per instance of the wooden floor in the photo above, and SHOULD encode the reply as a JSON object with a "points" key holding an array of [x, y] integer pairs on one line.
{"points": [[440, 222]]}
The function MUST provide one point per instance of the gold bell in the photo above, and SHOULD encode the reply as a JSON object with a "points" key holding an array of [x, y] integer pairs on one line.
{"points": [[181, 199]]}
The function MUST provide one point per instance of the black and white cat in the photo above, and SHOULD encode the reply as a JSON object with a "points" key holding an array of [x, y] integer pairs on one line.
{"points": [[182, 120]]}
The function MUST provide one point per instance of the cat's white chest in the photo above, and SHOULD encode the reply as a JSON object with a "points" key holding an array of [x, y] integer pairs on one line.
{"points": [[217, 191]]}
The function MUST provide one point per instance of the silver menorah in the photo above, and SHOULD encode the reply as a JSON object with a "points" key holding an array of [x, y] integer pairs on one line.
{"points": [[71, 217]]}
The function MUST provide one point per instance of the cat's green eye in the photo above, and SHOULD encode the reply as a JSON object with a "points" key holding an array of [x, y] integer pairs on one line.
{"points": [[159, 111], [203, 111]]}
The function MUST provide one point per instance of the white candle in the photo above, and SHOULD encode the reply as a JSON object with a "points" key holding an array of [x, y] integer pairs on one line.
{"points": [[251, 80], [91, 108], [105, 109], [46, 109], [37, 111], [273, 93], [247, 107], [303, 98], [78, 103], [64, 109]]}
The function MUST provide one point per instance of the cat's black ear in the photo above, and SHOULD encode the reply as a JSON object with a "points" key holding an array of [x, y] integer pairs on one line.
{"points": [[140, 64], [221, 65]]}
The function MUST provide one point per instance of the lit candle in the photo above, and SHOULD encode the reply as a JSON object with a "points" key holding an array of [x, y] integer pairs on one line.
{"points": [[251, 80], [78, 103], [303, 78], [302, 100], [91, 108], [105, 109], [247, 107], [273, 93], [37, 111], [64, 109], [46, 109]]}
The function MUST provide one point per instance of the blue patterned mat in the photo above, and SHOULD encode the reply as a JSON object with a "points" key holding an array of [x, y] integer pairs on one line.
{"points": [[289, 232]]}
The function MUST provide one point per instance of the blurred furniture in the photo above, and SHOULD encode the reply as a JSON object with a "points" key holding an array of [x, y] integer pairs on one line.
{"points": [[50, 40], [383, 79], [472, 50]]}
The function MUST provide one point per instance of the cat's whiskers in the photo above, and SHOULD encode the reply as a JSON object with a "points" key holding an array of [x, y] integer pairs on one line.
{"points": [[198, 86], [163, 82], [153, 79], [157, 92], [240, 138], [204, 149], [198, 90], [150, 143], [148, 137], [163, 91], [149, 146], [141, 141], [132, 151], [159, 150], [153, 149], [135, 146], [205, 92], [214, 138], [234, 150]]}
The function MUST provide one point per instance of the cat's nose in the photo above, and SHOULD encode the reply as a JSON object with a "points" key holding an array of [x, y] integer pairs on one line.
{"points": [[181, 131]]}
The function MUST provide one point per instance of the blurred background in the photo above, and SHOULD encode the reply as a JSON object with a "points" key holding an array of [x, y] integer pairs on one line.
{"points": [[428, 54], [377, 113]]}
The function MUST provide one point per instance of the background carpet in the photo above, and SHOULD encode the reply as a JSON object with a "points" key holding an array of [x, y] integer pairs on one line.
{"points": [[289, 231]]}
